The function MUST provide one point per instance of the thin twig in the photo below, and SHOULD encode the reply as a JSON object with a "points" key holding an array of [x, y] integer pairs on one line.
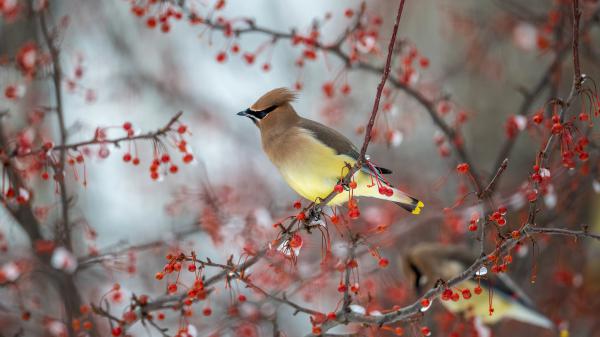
{"points": [[116, 141], [64, 232], [386, 73]]}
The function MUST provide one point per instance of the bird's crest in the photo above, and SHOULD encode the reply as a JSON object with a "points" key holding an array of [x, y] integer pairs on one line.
{"points": [[274, 98]]}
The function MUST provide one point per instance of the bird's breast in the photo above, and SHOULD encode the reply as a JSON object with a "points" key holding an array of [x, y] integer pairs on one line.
{"points": [[310, 167]]}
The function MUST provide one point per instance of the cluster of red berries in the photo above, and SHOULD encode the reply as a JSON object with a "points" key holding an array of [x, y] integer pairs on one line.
{"points": [[165, 158], [21, 198], [407, 72], [27, 60], [498, 216], [353, 211], [500, 265], [82, 322], [329, 87], [387, 191], [295, 241], [545, 32], [569, 150], [449, 295], [162, 18]]}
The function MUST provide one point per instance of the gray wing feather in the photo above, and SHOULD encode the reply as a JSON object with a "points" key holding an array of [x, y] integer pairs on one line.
{"points": [[338, 142]]}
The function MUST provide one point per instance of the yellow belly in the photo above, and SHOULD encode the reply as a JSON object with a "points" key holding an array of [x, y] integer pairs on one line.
{"points": [[478, 305], [314, 177], [314, 169]]}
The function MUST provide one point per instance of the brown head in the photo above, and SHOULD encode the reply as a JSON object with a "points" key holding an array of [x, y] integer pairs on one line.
{"points": [[426, 263], [273, 110]]}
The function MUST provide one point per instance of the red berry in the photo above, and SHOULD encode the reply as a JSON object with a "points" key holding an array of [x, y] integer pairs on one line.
{"points": [[538, 118], [583, 117], [249, 58], [127, 157], [425, 331], [207, 311], [352, 184], [296, 241], [556, 128], [151, 22], [425, 303], [383, 262], [297, 204], [446, 294], [173, 169], [221, 57], [478, 290], [242, 298], [345, 89], [328, 89], [354, 213], [135, 161], [338, 188], [116, 331], [462, 168]]}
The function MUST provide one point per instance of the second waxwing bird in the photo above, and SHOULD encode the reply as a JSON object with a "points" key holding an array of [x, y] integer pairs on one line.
{"points": [[427, 263], [313, 157]]}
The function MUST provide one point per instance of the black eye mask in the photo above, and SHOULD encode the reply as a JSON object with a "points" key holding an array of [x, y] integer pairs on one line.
{"points": [[418, 276], [260, 114]]}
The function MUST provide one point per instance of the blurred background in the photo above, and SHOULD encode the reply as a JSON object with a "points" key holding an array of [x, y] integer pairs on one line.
{"points": [[484, 60]]}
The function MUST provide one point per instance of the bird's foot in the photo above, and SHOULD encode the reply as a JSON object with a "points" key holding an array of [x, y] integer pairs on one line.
{"points": [[314, 214], [343, 184]]}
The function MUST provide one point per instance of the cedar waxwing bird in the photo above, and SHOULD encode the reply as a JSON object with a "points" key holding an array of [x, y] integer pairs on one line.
{"points": [[426, 263], [312, 157]]}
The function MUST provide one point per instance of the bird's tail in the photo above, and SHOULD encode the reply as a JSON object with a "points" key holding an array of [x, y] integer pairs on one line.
{"points": [[407, 202], [530, 316], [398, 197], [367, 188]]}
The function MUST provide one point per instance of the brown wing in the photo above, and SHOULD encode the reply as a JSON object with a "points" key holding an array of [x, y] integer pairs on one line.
{"points": [[336, 141]]}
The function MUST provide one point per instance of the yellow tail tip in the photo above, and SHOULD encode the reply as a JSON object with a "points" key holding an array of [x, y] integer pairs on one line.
{"points": [[417, 209]]}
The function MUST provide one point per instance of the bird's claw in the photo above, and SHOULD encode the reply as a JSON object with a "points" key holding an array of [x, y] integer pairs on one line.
{"points": [[314, 214]]}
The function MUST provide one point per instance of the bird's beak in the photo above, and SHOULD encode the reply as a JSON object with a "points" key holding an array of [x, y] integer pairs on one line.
{"points": [[246, 114]]}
